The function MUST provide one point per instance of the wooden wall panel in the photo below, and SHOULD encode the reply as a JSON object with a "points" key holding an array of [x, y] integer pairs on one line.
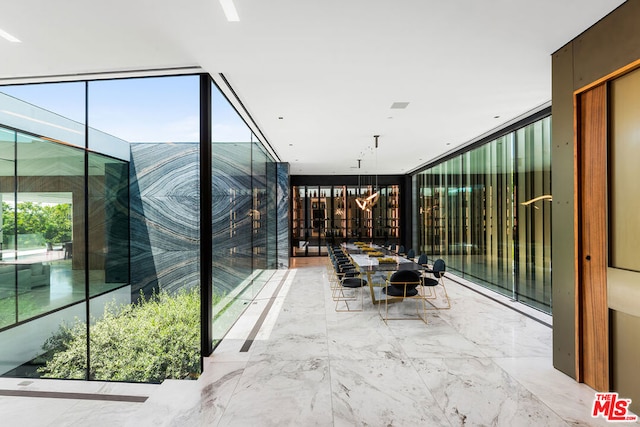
{"points": [[591, 288]]}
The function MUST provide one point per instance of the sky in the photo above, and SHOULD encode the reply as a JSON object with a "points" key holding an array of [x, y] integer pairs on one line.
{"points": [[153, 109]]}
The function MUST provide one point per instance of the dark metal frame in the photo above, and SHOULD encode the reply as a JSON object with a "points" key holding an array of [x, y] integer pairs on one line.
{"points": [[206, 229], [205, 157]]}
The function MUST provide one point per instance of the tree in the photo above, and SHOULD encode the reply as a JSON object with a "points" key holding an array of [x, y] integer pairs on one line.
{"points": [[8, 220], [52, 222], [57, 227]]}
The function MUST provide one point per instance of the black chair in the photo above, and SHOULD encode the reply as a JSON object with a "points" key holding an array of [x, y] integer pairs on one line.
{"points": [[345, 275], [422, 260], [401, 286], [403, 283], [438, 271], [411, 254]]}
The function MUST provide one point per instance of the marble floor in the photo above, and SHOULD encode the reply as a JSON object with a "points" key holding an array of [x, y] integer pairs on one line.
{"points": [[481, 363]]}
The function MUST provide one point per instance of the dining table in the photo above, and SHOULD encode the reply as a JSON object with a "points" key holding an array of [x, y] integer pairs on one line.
{"points": [[378, 274], [371, 263]]}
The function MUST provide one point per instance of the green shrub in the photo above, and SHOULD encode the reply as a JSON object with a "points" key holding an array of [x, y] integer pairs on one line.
{"points": [[149, 341]]}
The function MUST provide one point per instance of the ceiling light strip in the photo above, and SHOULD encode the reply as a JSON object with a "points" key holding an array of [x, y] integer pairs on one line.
{"points": [[9, 37], [229, 10]]}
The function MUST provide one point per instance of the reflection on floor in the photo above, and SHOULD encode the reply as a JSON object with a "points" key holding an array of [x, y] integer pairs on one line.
{"points": [[479, 363]]}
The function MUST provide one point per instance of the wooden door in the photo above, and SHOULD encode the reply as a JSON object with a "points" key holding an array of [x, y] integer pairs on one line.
{"points": [[591, 287]]}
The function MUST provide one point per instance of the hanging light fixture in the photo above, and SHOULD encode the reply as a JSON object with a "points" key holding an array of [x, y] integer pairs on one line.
{"points": [[366, 203], [359, 200], [376, 194]]}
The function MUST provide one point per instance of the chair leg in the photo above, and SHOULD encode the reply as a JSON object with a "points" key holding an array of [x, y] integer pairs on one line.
{"points": [[432, 295], [341, 297], [446, 295], [421, 314], [420, 300]]}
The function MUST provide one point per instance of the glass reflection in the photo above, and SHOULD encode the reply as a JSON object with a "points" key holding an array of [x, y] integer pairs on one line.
{"points": [[244, 214], [42, 183], [50, 213], [108, 224], [56, 110], [482, 213], [8, 302], [65, 227]]}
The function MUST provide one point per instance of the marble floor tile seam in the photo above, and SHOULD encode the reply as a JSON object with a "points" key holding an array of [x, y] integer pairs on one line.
{"points": [[335, 360], [556, 409], [479, 350], [488, 358], [327, 334], [385, 392], [442, 327], [483, 395]]}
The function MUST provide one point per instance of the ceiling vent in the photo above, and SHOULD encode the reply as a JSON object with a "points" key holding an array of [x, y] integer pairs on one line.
{"points": [[399, 105]]}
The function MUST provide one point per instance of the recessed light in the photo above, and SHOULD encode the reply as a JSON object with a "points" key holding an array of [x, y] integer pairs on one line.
{"points": [[389, 117], [496, 117], [448, 143], [280, 118], [399, 105], [290, 145], [229, 10], [8, 37]]}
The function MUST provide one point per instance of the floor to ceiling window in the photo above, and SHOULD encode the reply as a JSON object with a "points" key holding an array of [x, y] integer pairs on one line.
{"points": [[487, 213], [244, 212], [98, 175], [65, 221]]}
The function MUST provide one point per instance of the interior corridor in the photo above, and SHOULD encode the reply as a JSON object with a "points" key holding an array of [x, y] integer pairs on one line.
{"points": [[479, 363]]}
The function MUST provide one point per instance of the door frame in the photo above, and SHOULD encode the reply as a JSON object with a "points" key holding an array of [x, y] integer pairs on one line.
{"points": [[592, 315]]}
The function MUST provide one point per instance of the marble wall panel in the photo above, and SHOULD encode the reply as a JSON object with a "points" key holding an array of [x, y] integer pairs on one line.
{"points": [[158, 167], [165, 213], [260, 207], [231, 163], [282, 203], [272, 215], [232, 214]]}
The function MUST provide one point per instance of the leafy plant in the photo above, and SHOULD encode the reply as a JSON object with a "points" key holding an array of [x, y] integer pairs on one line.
{"points": [[148, 341]]}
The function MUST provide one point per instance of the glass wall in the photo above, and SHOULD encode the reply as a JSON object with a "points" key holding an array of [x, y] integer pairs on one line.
{"points": [[96, 175], [324, 214], [244, 250], [487, 213], [64, 236], [158, 120]]}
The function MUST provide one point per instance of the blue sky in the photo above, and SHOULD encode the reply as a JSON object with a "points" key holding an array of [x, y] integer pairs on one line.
{"points": [[137, 110]]}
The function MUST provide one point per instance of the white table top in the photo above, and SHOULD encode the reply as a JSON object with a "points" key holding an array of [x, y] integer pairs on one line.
{"points": [[366, 262]]}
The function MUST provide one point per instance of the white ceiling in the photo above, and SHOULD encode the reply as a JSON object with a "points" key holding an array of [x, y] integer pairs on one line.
{"points": [[331, 69]]}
